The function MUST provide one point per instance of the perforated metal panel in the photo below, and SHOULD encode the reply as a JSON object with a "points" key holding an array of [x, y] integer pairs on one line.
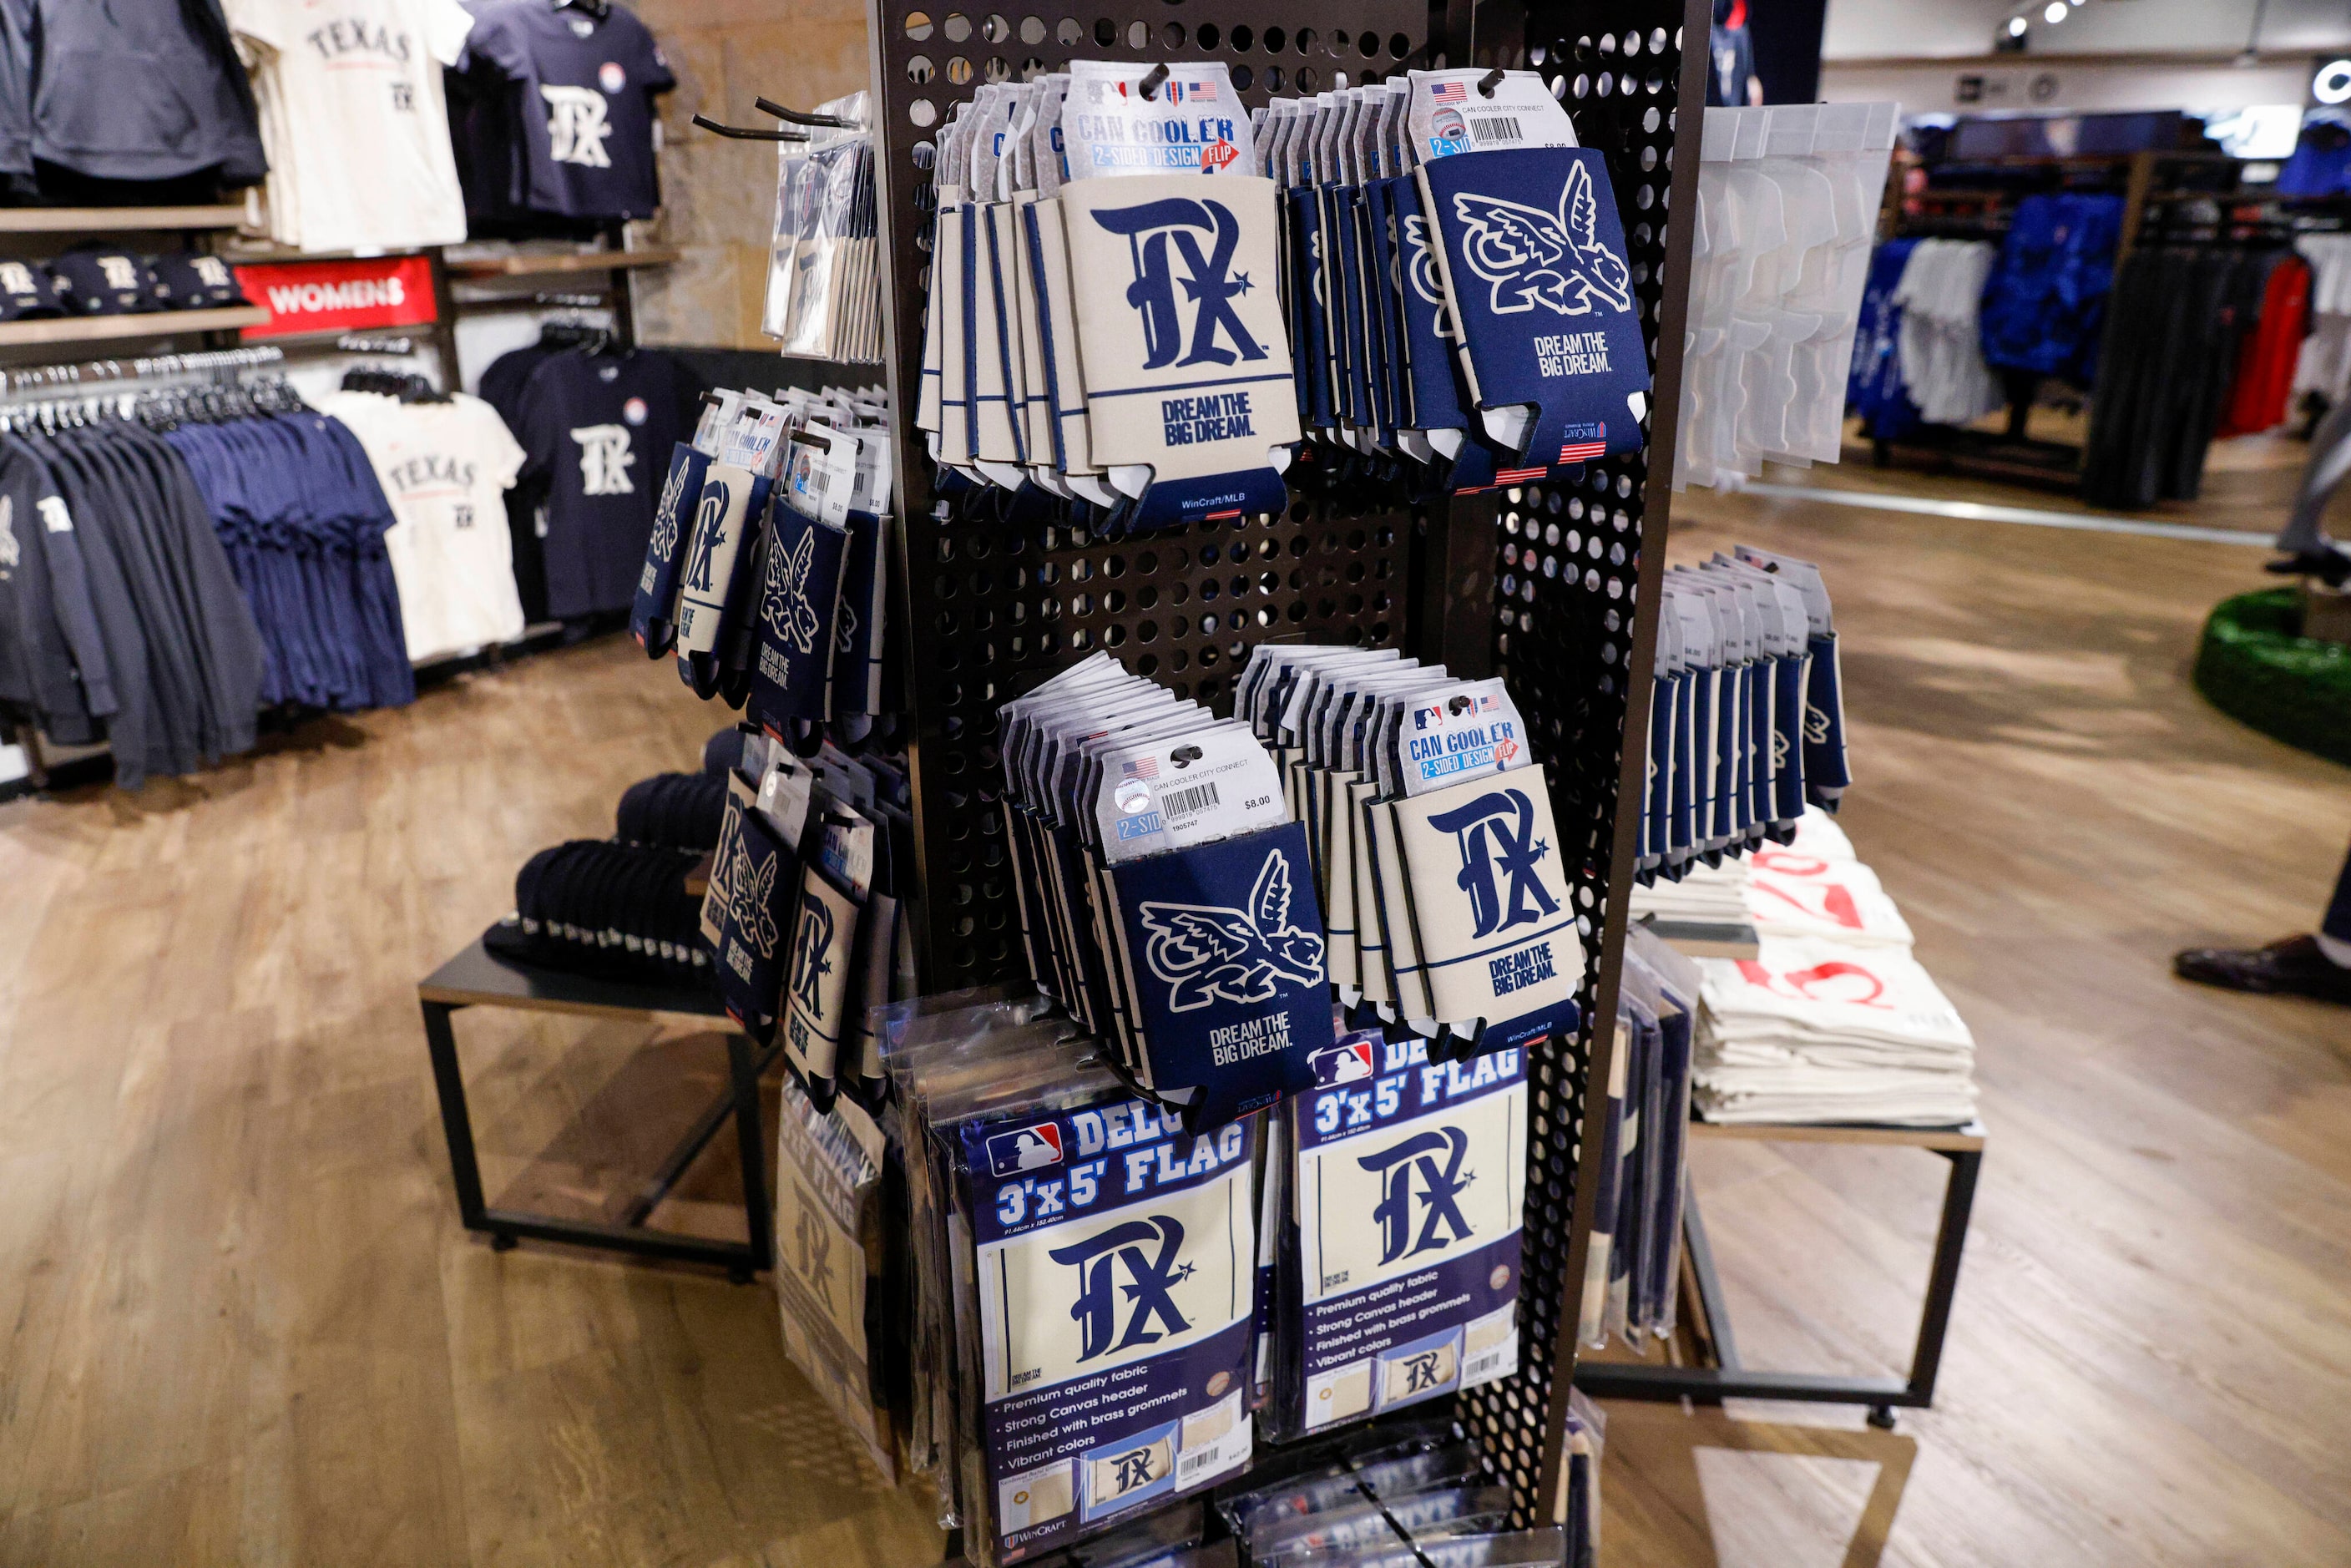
{"points": [[1573, 610], [997, 598], [1540, 582]]}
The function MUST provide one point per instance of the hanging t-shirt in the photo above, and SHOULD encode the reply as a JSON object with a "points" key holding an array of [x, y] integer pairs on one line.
{"points": [[356, 123], [445, 467], [132, 89], [580, 99], [599, 431]]}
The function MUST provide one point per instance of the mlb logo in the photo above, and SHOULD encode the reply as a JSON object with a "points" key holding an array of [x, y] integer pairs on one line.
{"points": [[1422, 718], [1344, 1062], [1026, 1149]]}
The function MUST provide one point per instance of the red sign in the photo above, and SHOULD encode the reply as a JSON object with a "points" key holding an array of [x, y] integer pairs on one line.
{"points": [[339, 296]]}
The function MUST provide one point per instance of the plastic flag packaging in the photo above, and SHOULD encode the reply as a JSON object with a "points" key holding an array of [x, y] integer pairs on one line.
{"points": [[824, 280]]}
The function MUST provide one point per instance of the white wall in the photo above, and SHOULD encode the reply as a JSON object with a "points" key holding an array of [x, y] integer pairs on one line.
{"points": [[2044, 84], [1911, 29]]}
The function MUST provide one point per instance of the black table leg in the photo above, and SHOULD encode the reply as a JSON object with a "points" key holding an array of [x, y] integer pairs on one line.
{"points": [[744, 1061], [456, 1124]]}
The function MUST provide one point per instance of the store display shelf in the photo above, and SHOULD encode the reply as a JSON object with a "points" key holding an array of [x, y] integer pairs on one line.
{"points": [[109, 329], [116, 220], [527, 266]]}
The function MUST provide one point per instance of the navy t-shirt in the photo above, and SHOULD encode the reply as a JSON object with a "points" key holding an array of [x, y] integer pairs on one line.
{"points": [[580, 93], [599, 431]]}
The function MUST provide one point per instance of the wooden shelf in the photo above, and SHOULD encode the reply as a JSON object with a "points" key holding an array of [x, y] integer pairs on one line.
{"points": [[479, 268], [115, 220], [105, 328]]}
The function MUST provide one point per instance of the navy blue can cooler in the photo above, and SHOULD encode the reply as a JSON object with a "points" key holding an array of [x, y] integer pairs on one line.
{"points": [[1225, 942], [1535, 252], [652, 618]]}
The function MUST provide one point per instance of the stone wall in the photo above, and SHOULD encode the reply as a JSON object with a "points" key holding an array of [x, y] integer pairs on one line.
{"points": [[718, 196]]}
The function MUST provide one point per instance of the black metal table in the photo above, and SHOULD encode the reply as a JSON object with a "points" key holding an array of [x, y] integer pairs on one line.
{"points": [[1727, 1377], [477, 978]]}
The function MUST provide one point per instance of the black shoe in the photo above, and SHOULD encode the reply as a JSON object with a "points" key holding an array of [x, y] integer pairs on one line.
{"points": [[2292, 967]]}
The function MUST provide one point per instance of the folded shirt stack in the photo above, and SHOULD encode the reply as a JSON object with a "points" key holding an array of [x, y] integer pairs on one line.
{"points": [[1817, 1030]]}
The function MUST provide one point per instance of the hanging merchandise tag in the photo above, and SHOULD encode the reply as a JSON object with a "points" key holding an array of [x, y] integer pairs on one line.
{"points": [[1532, 254], [1463, 732], [1113, 1279], [1200, 787], [1193, 122], [1405, 1169], [746, 910], [1463, 110], [652, 617]]}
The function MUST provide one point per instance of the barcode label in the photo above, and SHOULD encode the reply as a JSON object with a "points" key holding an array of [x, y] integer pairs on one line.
{"points": [[1192, 797], [1489, 1364], [1211, 1460], [1495, 128]]}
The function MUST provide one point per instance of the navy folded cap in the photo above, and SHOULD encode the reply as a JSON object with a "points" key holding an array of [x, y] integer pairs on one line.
{"points": [[106, 281], [186, 282], [723, 751], [27, 292]]}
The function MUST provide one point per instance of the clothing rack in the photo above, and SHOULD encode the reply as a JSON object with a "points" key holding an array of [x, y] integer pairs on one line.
{"points": [[54, 378]]}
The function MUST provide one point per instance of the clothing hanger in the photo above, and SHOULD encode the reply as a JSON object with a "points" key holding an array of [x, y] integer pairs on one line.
{"points": [[599, 9]]}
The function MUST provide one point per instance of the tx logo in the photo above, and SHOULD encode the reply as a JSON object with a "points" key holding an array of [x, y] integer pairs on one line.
{"points": [[575, 126], [816, 1249], [1177, 224], [1207, 953], [709, 536], [786, 605], [1495, 834], [1150, 1278], [605, 459], [812, 954], [1534, 257], [1426, 1167]]}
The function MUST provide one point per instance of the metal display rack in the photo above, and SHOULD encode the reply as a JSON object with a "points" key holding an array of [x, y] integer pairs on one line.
{"points": [[1554, 587]]}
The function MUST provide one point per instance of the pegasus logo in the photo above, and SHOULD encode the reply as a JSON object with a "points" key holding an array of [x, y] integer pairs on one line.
{"points": [[1816, 725], [786, 607], [709, 535], [664, 540], [1426, 1165], [750, 895], [1206, 953], [810, 962], [577, 126], [1533, 257], [1495, 834], [1153, 230], [1151, 1281], [1423, 262]]}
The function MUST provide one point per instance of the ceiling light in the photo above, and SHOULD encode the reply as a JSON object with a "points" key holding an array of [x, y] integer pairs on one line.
{"points": [[2057, 12], [2016, 27]]}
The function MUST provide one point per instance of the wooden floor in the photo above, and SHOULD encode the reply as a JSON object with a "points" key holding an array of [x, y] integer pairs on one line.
{"points": [[239, 1323]]}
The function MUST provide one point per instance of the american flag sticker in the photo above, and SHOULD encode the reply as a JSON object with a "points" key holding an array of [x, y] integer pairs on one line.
{"points": [[1583, 450], [1448, 92], [1144, 768], [1518, 475]]}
